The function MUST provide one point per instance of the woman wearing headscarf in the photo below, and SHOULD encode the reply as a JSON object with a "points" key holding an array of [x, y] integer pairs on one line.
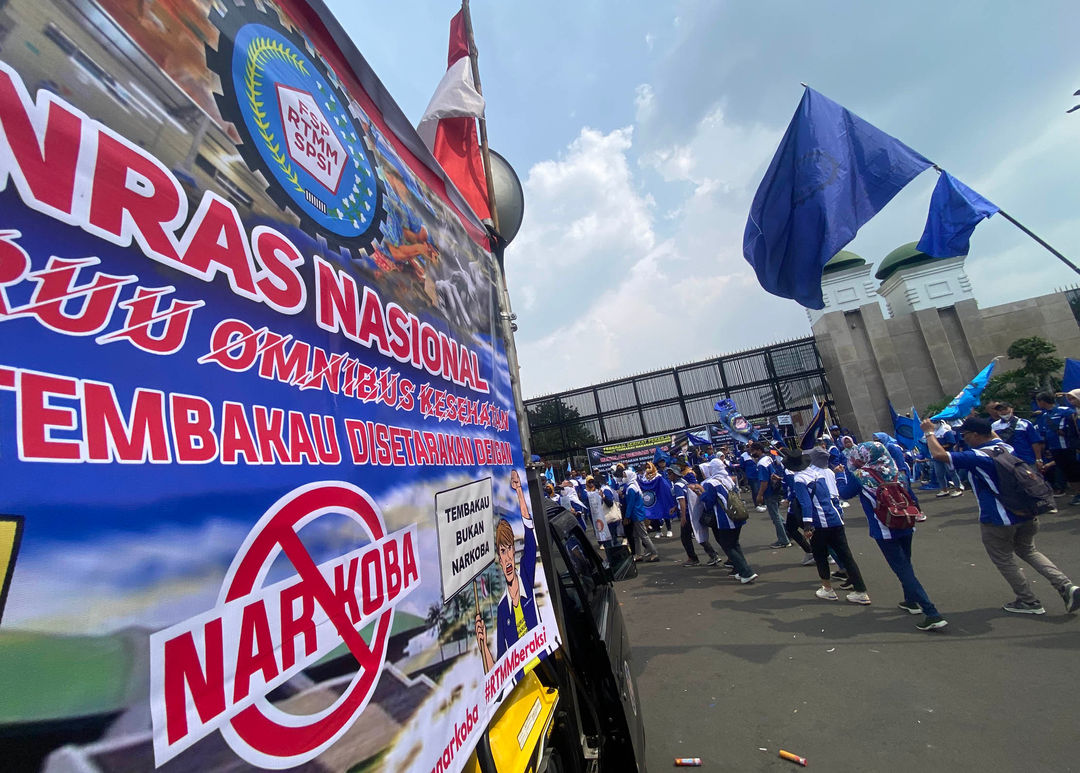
{"points": [[873, 467]]}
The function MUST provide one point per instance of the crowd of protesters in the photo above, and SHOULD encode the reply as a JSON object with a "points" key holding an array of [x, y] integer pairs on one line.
{"points": [[710, 493]]}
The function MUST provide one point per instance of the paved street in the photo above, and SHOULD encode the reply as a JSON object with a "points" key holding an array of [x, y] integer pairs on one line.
{"points": [[734, 673]]}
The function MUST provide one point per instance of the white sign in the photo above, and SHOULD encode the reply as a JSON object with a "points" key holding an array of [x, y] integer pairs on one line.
{"points": [[466, 533], [783, 418]]}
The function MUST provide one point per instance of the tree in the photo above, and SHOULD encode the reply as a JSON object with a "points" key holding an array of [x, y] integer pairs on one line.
{"points": [[1039, 373], [557, 428]]}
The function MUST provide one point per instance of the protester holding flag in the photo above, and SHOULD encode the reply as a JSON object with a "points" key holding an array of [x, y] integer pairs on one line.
{"points": [[948, 480]]}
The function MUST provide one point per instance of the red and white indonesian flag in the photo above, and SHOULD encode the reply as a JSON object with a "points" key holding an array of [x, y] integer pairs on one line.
{"points": [[448, 127]]}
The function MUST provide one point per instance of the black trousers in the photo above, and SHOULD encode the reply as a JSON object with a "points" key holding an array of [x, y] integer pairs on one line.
{"points": [[686, 535], [834, 537], [791, 526], [729, 543]]}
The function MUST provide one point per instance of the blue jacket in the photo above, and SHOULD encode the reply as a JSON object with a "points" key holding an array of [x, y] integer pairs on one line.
{"points": [[715, 498], [507, 632], [850, 487], [811, 488], [635, 505]]}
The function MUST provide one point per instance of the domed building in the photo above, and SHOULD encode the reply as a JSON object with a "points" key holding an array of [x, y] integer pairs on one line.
{"points": [[914, 333], [845, 285], [912, 280]]}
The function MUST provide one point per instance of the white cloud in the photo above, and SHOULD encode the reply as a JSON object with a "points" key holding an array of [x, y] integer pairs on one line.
{"points": [[648, 301], [650, 40]]}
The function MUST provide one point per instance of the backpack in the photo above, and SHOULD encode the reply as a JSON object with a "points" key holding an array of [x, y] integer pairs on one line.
{"points": [[1020, 488], [736, 508], [894, 508], [1007, 433]]}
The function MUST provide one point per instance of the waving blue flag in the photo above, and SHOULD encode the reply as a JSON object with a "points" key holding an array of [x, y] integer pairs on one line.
{"points": [[968, 398], [814, 428], [657, 496], [832, 172], [734, 422], [955, 210], [908, 432], [1072, 375]]}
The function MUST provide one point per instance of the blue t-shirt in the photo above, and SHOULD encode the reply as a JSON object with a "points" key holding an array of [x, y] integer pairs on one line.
{"points": [[1024, 436], [982, 475], [1054, 422]]}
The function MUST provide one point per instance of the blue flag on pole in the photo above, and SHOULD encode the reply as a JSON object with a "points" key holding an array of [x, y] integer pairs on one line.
{"points": [[955, 210], [920, 436], [657, 496], [814, 428], [734, 422], [907, 431], [969, 396], [1072, 375], [832, 172]]}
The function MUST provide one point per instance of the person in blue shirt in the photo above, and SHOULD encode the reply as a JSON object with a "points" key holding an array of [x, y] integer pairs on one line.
{"points": [[1005, 535], [1062, 438], [517, 613], [1021, 434], [873, 467], [823, 525], [634, 514], [714, 497], [948, 480]]}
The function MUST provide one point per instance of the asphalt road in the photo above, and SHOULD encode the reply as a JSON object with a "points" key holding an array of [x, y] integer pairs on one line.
{"points": [[732, 673]]}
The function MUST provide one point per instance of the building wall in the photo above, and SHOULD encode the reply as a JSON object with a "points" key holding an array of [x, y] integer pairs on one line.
{"points": [[918, 358]]}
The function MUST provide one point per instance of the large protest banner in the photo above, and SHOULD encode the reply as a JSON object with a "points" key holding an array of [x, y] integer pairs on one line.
{"points": [[246, 348]]}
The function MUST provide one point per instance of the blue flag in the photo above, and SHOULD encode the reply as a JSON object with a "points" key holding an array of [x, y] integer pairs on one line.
{"points": [[734, 422], [968, 398], [907, 430], [955, 210], [1072, 375], [550, 474], [657, 496], [832, 172], [814, 428]]}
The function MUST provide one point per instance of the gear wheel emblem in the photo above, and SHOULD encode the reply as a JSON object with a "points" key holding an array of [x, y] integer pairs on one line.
{"points": [[296, 127]]}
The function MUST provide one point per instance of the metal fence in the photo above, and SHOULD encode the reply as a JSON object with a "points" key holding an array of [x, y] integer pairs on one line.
{"points": [[775, 379]]}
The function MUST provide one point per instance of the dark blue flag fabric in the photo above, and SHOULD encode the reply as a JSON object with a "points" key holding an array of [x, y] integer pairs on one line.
{"points": [[813, 429], [1072, 375], [955, 210], [734, 422], [908, 432], [832, 172], [657, 496]]}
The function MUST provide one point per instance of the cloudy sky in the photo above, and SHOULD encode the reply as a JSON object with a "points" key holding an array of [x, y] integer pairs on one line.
{"points": [[642, 129]]}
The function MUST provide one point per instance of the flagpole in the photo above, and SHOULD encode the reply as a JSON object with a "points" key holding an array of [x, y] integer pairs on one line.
{"points": [[1030, 233], [484, 151]]}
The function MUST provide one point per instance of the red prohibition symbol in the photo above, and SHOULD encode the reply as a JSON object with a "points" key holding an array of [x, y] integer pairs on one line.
{"points": [[275, 738]]}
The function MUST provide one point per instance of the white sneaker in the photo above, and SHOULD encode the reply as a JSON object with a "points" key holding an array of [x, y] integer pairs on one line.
{"points": [[808, 560], [858, 598], [956, 493], [747, 580], [669, 532], [845, 505], [761, 508], [828, 594]]}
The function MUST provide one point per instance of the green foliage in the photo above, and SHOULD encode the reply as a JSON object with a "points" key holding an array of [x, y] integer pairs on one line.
{"points": [[1041, 371]]}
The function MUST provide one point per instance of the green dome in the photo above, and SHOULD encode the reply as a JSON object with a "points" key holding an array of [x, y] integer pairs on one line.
{"points": [[904, 256], [842, 260]]}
